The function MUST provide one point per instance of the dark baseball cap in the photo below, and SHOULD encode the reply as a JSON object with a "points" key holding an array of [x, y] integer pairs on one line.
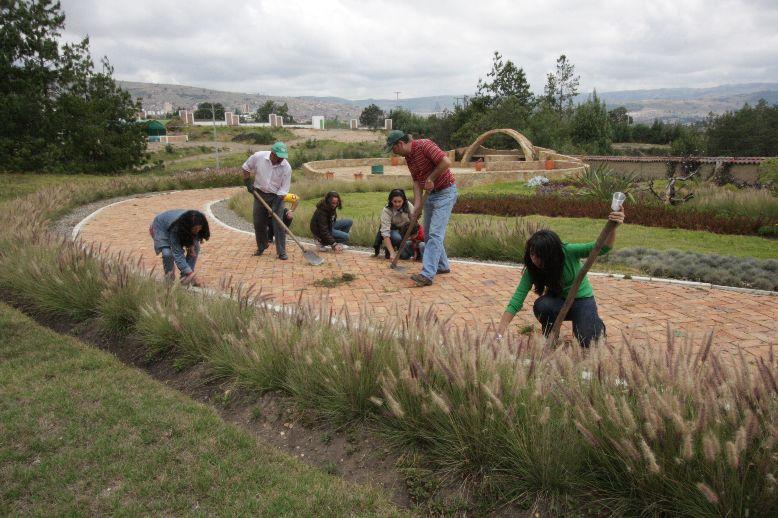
{"points": [[392, 139]]}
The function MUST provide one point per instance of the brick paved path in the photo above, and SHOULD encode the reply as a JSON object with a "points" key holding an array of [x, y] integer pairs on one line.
{"points": [[472, 293]]}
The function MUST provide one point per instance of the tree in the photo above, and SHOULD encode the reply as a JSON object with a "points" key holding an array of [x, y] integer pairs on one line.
{"points": [[590, 127], [58, 113], [562, 86], [689, 142], [507, 80], [269, 107], [208, 111], [620, 122], [372, 117], [750, 131]]}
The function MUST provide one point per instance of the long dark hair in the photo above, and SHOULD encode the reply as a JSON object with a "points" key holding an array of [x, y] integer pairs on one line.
{"points": [[395, 193], [546, 245], [183, 227], [326, 202]]}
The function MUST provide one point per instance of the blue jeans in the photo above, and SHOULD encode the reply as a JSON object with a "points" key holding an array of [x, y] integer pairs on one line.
{"points": [[167, 259], [587, 324], [437, 211], [340, 230], [397, 238]]}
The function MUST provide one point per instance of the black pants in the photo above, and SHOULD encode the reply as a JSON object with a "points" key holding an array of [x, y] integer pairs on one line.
{"points": [[287, 221], [587, 324], [262, 219]]}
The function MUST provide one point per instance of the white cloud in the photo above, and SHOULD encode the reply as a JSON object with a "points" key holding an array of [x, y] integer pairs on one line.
{"points": [[371, 48]]}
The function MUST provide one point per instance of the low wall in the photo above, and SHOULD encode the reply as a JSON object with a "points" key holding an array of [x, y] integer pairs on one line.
{"points": [[650, 168], [321, 166]]}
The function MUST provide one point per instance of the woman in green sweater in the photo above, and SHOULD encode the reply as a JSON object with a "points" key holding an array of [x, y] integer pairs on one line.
{"points": [[550, 266]]}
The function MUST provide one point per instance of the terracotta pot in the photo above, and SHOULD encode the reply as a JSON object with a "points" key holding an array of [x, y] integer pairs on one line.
{"points": [[359, 176], [549, 164], [329, 175], [395, 160], [479, 165]]}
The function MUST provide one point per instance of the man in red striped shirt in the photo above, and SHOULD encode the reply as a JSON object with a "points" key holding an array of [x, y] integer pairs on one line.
{"points": [[430, 169]]}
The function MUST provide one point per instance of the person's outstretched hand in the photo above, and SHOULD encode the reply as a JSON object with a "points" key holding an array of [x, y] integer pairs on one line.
{"points": [[191, 280], [618, 217]]}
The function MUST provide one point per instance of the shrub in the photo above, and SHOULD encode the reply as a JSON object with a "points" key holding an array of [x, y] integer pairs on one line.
{"points": [[692, 266], [259, 136], [651, 215], [537, 181], [768, 174], [601, 182]]}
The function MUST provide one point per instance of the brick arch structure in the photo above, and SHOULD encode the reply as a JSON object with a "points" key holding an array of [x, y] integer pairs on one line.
{"points": [[524, 143]]}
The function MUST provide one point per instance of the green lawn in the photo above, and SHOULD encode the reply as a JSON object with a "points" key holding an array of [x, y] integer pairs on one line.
{"points": [[82, 434], [231, 159], [357, 205]]}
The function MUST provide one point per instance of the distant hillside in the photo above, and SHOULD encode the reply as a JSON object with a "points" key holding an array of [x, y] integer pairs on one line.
{"points": [[434, 104], [687, 104], [667, 104], [154, 96]]}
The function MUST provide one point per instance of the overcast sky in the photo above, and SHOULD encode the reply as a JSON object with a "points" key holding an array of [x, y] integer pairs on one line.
{"points": [[371, 48]]}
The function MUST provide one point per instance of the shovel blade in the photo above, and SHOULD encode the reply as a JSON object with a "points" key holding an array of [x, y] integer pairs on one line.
{"points": [[313, 258], [398, 267]]}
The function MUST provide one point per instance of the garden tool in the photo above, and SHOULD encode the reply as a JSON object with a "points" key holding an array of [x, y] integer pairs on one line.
{"points": [[310, 256], [404, 242], [610, 226]]}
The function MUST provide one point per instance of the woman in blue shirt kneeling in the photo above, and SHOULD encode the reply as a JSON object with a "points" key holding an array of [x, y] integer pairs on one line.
{"points": [[177, 236]]}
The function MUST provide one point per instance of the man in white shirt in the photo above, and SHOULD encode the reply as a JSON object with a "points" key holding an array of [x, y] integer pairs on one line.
{"points": [[272, 179]]}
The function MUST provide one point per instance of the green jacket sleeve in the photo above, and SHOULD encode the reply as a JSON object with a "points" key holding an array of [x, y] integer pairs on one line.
{"points": [[517, 301], [582, 250]]}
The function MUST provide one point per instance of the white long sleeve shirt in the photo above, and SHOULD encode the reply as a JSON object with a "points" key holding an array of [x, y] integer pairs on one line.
{"points": [[274, 179]]}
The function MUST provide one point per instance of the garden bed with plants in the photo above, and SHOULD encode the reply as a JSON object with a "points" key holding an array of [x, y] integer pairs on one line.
{"points": [[694, 205], [623, 430], [497, 238]]}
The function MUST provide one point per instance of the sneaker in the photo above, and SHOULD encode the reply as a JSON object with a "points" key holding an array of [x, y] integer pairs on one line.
{"points": [[259, 251], [421, 280]]}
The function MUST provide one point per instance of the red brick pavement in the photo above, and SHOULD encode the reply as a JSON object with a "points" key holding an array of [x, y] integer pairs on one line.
{"points": [[475, 294]]}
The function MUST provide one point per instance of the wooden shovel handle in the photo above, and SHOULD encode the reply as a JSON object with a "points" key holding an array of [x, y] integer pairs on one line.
{"points": [[553, 336]]}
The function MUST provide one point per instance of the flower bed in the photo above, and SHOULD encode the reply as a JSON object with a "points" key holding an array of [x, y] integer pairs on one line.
{"points": [[650, 215]]}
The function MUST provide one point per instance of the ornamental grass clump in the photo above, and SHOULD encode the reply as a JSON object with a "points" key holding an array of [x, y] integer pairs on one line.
{"points": [[628, 427]]}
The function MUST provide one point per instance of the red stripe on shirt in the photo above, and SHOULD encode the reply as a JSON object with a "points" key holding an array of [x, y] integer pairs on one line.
{"points": [[425, 155]]}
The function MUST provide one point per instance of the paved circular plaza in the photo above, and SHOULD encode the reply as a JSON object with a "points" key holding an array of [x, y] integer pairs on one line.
{"points": [[473, 294]]}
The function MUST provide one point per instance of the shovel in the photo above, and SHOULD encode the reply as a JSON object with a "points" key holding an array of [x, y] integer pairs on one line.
{"points": [[610, 226], [404, 242], [310, 256]]}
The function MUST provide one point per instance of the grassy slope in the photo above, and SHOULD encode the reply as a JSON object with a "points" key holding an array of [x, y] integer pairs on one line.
{"points": [[80, 433], [14, 185]]}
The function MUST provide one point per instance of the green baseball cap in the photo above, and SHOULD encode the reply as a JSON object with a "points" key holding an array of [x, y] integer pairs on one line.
{"points": [[279, 148], [392, 139]]}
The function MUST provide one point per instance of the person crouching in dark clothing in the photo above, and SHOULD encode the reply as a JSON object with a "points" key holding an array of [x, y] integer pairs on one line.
{"points": [[330, 232]]}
